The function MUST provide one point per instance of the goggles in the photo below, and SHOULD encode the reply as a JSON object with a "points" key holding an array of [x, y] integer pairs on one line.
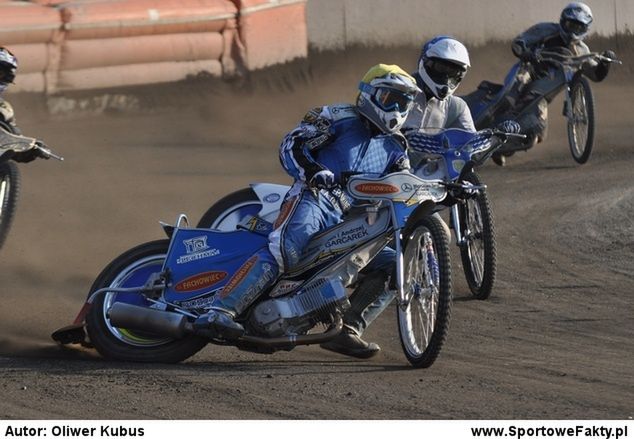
{"points": [[575, 27], [444, 72], [6, 74], [388, 99]]}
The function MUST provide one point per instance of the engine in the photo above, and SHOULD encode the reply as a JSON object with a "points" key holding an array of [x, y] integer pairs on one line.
{"points": [[298, 312]]}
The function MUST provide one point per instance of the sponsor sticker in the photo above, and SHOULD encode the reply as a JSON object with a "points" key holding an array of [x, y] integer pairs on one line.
{"points": [[287, 208], [376, 188], [272, 198], [200, 281], [197, 249], [238, 276]]}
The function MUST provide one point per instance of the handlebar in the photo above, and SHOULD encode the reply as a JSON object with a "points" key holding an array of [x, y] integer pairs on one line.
{"points": [[571, 60], [46, 153]]}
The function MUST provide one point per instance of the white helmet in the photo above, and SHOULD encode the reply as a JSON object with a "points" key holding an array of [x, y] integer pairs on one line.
{"points": [[442, 64], [575, 20], [386, 95]]}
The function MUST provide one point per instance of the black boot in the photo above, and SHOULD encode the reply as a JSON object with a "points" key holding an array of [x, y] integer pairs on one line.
{"points": [[349, 343], [498, 159]]}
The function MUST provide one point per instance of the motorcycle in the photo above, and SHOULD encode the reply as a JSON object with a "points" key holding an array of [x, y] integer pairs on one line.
{"points": [[15, 148], [492, 103], [143, 305], [450, 156]]}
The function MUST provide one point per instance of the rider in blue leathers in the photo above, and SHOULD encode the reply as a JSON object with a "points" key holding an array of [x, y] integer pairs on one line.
{"points": [[328, 143], [442, 64]]}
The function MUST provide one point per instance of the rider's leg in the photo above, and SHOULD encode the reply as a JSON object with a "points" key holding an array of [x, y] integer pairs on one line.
{"points": [[301, 217], [254, 276], [367, 301], [371, 297]]}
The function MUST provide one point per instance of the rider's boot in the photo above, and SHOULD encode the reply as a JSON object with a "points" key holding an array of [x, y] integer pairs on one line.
{"points": [[247, 283], [351, 344], [368, 300], [218, 322], [498, 159]]}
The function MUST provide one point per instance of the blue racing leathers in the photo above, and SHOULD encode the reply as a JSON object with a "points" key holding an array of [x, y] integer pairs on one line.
{"points": [[334, 138]]}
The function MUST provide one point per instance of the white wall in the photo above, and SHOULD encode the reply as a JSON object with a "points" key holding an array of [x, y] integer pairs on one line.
{"points": [[335, 24]]}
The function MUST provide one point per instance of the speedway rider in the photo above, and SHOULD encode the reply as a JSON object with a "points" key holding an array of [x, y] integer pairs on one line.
{"points": [[574, 25], [328, 143], [442, 65], [8, 67]]}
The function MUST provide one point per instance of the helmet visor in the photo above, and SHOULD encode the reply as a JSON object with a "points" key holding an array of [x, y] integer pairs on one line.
{"points": [[7, 73], [445, 72], [574, 27], [389, 99]]}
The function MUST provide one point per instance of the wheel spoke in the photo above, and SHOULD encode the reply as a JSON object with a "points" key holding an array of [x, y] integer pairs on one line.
{"points": [[4, 193], [421, 285], [475, 244]]}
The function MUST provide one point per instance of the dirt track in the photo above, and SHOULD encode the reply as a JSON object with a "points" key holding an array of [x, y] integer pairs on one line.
{"points": [[554, 342]]}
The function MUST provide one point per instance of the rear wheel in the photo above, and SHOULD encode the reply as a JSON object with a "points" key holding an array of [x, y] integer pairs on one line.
{"points": [[581, 120], [227, 213], [478, 253], [9, 191], [132, 269], [423, 320]]}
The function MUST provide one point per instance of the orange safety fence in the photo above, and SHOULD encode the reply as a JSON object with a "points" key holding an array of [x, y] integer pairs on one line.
{"points": [[125, 18], [84, 44]]}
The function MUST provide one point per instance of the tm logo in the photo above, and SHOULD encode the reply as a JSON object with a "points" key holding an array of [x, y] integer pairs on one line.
{"points": [[195, 245]]}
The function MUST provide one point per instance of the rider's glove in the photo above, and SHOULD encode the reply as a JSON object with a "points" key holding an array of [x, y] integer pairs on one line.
{"points": [[608, 54], [509, 126], [27, 156], [400, 164], [521, 51], [324, 179]]}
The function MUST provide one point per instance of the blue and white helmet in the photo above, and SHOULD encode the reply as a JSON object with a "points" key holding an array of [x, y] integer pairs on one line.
{"points": [[443, 63], [8, 66], [575, 21]]}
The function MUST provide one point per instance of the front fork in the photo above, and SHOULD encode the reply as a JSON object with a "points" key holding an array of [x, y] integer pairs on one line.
{"points": [[567, 112], [400, 271], [457, 228]]}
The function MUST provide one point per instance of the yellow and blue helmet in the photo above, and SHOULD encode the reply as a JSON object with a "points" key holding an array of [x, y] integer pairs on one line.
{"points": [[386, 94]]}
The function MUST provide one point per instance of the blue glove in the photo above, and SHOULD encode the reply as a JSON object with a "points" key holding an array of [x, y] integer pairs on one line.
{"points": [[322, 180], [509, 127]]}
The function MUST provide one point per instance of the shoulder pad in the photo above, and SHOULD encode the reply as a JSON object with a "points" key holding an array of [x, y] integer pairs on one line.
{"points": [[6, 111], [314, 114], [341, 111]]}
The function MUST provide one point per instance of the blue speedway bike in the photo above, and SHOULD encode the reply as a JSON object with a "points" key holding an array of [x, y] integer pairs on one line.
{"points": [[143, 304], [448, 155]]}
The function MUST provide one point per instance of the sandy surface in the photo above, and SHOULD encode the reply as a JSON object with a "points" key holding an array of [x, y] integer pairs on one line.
{"points": [[555, 341]]}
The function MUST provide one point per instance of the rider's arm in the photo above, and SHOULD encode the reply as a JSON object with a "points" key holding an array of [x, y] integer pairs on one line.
{"points": [[459, 115], [7, 115], [595, 70], [525, 44], [296, 150]]}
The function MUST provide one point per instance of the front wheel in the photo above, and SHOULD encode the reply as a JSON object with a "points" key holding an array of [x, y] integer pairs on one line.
{"points": [[423, 319], [581, 120], [478, 251], [132, 269], [9, 190]]}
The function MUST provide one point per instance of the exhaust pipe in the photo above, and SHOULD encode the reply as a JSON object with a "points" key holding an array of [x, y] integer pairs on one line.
{"points": [[164, 323]]}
